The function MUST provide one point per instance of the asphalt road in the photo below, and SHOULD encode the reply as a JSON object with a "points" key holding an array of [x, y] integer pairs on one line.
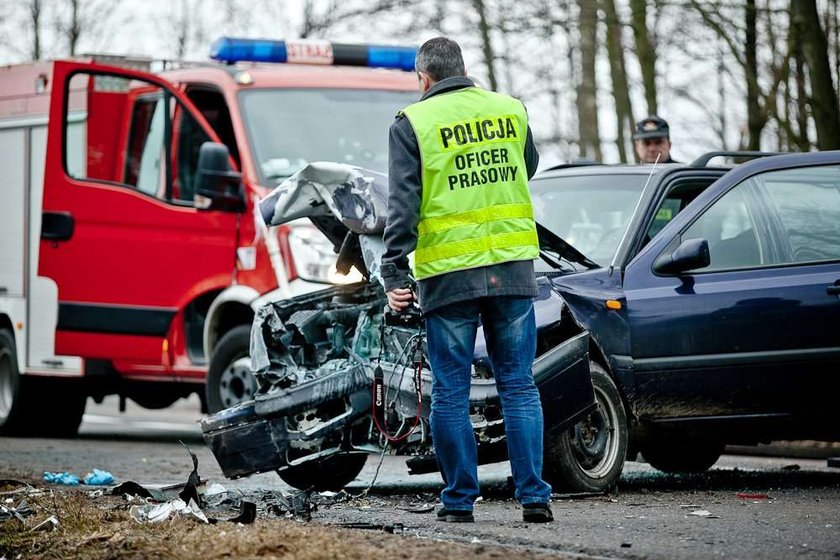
{"points": [[794, 513]]}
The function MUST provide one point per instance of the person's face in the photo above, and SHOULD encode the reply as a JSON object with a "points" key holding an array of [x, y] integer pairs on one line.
{"points": [[648, 148]]}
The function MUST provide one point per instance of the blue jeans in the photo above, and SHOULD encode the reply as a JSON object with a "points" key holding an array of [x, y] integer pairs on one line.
{"points": [[510, 330]]}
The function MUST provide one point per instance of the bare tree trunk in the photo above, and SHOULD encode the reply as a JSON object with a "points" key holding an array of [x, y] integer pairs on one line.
{"points": [[646, 52], [618, 72], [486, 44], [823, 100], [833, 8], [590, 142], [183, 32], [35, 13], [801, 139], [74, 28], [722, 124], [756, 119]]}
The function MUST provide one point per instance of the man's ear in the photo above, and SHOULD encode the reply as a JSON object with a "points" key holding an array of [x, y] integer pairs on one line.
{"points": [[425, 81]]}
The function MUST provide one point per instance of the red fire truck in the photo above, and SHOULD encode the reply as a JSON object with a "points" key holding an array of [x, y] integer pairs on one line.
{"points": [[130, 257]]}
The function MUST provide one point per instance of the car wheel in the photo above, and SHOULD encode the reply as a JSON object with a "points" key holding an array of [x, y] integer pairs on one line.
{"points": [[681, 453], [589, 456], [229, 378], [331, 473], [34, 406]]}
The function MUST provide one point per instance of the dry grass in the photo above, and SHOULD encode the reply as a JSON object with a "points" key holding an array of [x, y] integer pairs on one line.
{"points": [[101, 528]]}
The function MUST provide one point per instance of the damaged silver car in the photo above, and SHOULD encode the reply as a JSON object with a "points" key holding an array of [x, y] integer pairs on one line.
{"points": [[315, 358]]}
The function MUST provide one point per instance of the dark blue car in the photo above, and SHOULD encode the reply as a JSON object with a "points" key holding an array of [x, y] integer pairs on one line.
{"points": [[711, 302]]}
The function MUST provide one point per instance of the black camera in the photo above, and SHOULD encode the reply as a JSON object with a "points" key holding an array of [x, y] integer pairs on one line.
{"points": [[410, 317]]}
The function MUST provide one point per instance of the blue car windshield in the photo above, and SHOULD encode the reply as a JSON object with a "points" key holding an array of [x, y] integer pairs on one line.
{"points": [[290, 128], [590, 212]]}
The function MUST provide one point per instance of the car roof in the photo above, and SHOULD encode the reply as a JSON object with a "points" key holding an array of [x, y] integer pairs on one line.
{"points": [[588, 170]]}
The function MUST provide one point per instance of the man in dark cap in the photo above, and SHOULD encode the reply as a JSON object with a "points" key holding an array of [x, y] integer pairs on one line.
{"points": [[652, 140]]}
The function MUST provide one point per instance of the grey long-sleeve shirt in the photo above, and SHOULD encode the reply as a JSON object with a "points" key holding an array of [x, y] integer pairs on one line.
{"points": [[514, 278]]}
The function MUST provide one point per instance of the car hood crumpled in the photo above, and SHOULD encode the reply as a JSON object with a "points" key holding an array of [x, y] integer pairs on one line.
{"points": [[341, 198], [356, 197]]}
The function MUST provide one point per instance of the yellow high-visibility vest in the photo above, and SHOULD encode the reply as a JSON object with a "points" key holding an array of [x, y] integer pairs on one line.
{"points": [[476, 208]]}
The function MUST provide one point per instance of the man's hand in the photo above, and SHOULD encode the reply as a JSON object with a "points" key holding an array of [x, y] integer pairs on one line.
{"points": [[400, 298]]}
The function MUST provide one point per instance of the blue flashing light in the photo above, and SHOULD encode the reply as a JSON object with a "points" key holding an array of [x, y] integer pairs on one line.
{"points": [[227, 49], [230, 50], [401, 58]]}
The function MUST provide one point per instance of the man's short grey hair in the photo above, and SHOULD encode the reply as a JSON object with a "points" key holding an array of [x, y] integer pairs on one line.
{"points": [[440, 58]]}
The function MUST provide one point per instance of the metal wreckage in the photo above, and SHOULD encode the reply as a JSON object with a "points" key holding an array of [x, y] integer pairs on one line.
{"points": [[316, 358]]}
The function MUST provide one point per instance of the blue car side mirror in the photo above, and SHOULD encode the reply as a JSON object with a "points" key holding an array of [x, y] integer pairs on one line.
{"points": [[690, 255]]}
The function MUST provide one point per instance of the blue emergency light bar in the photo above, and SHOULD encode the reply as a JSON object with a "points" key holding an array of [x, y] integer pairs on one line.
{"points": [[230, 50]]}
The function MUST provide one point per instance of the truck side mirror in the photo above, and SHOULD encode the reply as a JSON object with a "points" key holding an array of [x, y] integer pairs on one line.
{"points": [[690, 255], [217, 186]]}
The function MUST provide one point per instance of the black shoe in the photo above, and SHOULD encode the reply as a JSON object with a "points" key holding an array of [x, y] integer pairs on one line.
{"points": [[536, 513], [455, 515]]}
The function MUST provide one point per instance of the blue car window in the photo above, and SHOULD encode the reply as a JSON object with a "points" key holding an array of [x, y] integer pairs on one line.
{"points": [[731, 230], [807, 202]]}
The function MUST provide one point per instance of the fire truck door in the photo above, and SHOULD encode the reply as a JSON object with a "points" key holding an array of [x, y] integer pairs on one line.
{"points": [[121, 236]]}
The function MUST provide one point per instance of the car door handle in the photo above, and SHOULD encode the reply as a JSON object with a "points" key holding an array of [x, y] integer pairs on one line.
{"points": [[833, 290], [57, 226]]}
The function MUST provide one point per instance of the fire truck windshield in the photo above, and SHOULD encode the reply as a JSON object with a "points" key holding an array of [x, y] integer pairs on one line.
{"points": [[290, 128]]}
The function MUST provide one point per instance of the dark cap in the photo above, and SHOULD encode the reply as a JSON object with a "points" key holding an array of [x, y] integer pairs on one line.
{"points": [[651, 127]]}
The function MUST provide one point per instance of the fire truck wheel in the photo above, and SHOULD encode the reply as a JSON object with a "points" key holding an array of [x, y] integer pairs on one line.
{"points": [[24, 399], [229, 378], [329, 474]]}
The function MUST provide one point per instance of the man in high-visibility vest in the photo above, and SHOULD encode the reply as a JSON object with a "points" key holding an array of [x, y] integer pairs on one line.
{"points": [[460, 160]]}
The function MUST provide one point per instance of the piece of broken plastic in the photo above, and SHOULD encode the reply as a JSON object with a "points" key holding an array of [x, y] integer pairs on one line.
{"points": [[704, 513], [48, 524], [752, 496], [65, 478], [214, 489], [98, 477], [155, 513], [20, 512]]}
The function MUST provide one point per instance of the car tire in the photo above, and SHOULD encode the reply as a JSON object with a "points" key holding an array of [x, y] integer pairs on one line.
{"points": [[589, 456], [329, 474], [229, 378], [680, 453], [36, 406]]}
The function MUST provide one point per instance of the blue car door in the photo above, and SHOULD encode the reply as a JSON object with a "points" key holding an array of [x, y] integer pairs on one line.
{"points": [[755, 332]]}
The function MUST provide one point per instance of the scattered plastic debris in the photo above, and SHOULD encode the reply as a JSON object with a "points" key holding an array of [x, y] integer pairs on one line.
{"points": [[131, 488], [20, 512], [475, 540], [23, 487], [247, 514], [750, 496], [577, 495], [214, 489], [703, 513], [190, 491], [99, 478], [95, 478], [423, 508], [395, 528], [155, 513], [65, 478], [49, 524]]}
